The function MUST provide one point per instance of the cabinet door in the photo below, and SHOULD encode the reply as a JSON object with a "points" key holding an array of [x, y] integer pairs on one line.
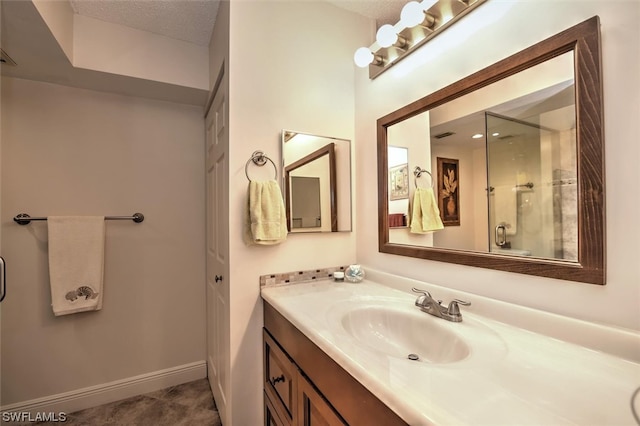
{"points": [[313, 409], [270, 415], [280, 380]]}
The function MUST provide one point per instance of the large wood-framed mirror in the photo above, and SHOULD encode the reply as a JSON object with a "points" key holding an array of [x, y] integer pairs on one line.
{"points": [[529, 187]]}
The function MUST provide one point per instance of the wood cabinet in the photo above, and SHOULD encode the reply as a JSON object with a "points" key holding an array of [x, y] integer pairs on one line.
{"points": [[271, 417], [313, 409], [280, 380], [303, 386], [290, 398]]}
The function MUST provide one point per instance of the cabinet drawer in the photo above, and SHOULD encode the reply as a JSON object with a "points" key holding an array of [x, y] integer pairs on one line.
{"points": [[280, 383]]}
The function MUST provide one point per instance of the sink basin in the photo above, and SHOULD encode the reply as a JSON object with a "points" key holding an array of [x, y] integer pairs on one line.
{"points": [[404, 333]]}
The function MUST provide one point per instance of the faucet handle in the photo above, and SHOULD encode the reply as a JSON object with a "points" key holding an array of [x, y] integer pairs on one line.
{"points": [[453, 308], [424, 292], [424, 299]]}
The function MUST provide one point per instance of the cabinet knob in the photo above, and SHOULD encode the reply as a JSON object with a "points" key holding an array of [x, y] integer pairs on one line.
{"points": [[218, 278]]}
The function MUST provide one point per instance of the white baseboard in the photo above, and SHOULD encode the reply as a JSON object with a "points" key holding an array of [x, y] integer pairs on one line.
{"points": [[69, 402]]}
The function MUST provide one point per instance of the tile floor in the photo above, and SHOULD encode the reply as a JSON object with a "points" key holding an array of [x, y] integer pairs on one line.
{"points": [[187, 404]]}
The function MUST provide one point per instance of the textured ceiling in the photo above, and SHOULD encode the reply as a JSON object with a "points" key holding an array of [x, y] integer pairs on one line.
{"points": [[192, 20], [383, 11], [188, 20]]}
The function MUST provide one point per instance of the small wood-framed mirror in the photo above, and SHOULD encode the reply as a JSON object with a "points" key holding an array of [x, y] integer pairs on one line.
{"points": [[579, 46], [316, 182]]}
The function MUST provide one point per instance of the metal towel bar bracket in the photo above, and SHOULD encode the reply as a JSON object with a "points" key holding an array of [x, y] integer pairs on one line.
{"points": [[417, 172], [25, 219], [259, 159]]}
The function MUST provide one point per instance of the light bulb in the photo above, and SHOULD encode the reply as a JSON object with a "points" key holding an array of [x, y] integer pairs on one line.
{"points": [[363, 57], [412, 14], [386, 36]]}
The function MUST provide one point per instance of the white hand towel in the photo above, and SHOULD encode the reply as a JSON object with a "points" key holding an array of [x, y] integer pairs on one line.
{"points": [[505, 208], [266, 218], [76, 263]]}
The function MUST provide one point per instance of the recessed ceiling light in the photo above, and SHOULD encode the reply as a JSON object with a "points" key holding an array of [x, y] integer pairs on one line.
{"points": [[495, 134], [477, 136]]}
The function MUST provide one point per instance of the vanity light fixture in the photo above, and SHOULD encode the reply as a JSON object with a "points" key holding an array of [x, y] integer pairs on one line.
{"points": [[419, 22]]}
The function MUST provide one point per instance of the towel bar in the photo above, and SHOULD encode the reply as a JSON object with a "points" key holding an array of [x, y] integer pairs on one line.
{"points": [[25, 219], [525, 185]]}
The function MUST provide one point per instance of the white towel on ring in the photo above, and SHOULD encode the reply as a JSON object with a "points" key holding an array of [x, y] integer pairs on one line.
{"points": [[76, 263]]}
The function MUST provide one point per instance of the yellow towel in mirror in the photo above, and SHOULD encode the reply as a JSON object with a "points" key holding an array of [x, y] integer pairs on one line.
{"points": [[425, 215]]}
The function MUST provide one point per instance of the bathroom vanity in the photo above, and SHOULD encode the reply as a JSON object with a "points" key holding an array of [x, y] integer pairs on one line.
{"points": [[339, 353], [304, 386]]}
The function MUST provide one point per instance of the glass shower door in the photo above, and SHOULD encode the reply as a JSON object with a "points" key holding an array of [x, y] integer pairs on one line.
{"points": [[526, 210]]}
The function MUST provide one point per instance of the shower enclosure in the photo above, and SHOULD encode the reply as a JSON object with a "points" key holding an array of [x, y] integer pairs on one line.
{"points": [[532, 184]]}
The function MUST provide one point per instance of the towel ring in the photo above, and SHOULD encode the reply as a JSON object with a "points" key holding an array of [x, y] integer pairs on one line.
{"points": [[259, 159], [417, 172]]}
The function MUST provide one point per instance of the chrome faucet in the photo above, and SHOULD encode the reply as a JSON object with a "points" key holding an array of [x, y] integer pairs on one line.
{"points": [[434, 307]]}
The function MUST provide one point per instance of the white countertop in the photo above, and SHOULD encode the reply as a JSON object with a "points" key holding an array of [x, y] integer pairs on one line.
{"points": [[512, 376]]}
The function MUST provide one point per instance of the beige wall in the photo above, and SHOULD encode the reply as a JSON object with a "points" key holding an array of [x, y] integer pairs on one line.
{"points": [[492, 32], [413, 134], [471, 181], [118, 49], [219, 48], [291, 67], [58, 16], [68, 151]]}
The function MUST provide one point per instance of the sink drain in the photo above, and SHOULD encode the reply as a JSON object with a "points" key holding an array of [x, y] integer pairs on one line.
{"points": [[413, 357]]}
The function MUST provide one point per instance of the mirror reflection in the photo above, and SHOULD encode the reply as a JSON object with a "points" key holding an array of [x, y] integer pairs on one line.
{"points": [[305, 203], [316, 182], [526, 194], [503, 163]]}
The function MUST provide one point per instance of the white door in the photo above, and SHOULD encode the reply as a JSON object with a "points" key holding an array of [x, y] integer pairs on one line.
{"points": [[217, 145]]}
